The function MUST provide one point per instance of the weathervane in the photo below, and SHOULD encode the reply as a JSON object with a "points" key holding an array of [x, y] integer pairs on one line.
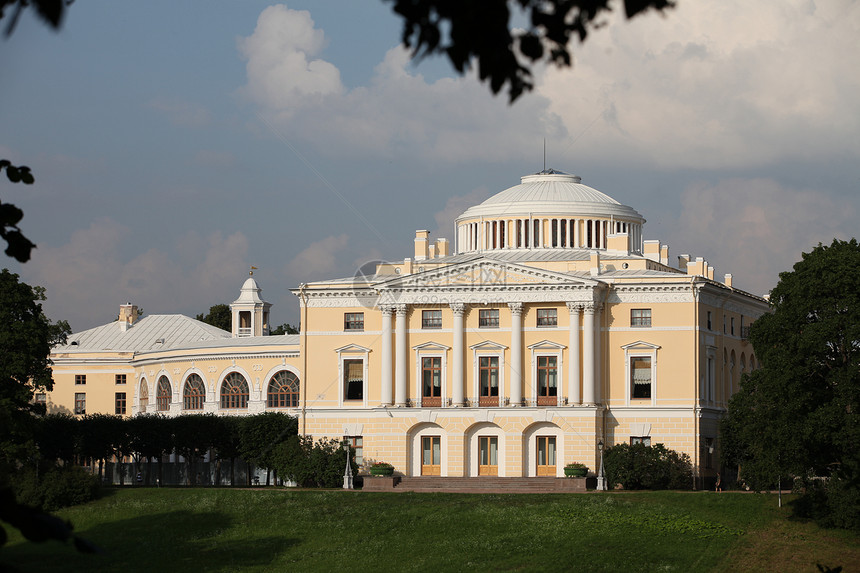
{"points": [[253, 268]]}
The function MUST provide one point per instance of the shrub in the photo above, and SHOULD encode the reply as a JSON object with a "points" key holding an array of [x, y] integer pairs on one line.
{"points": [[831, 503], [647, 467], [62, 486], [310, 464]]}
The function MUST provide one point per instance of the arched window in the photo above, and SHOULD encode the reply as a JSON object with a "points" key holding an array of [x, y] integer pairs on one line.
{"points": [[234, 391], [143, 396], [194, 394], [283, 390], [162, 395]]}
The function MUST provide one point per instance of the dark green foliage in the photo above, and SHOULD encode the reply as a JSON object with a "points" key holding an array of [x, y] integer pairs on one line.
{"points": [[285, 328], [219, 316], [796, 416], [831, 503], [259, 435], [647, 467], [17, 245], [26, 336], [310, 464], [61, 486], [57, 437], [51, 11], [472, 31]]}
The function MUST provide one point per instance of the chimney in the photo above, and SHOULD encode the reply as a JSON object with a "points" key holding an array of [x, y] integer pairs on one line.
{"points": [[664, 254], [127, 315], [441, 247], [595, 263], [652, 250], [421, 244], [728, 280], [682, 262], [432, 252], [710, 272]]}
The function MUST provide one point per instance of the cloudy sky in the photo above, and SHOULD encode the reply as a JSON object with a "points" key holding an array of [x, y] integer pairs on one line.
{"points": [[174, 145]]}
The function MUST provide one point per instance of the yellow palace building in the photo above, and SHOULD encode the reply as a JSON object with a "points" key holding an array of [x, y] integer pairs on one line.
{"points": [[550, 325]]}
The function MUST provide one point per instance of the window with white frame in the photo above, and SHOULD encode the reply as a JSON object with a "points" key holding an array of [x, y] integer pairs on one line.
{"points": [[431, 319], [640, 317], [547, 380], [488, 381], [644, 440], [431, 381], [80, 403], [162, 394], [357, 445], [353, 321], [488, 318], [640, 377], [353, 379], [547, 317]]}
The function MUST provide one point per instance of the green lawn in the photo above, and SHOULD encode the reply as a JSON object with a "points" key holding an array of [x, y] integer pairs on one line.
{"points": [[155, 530]]}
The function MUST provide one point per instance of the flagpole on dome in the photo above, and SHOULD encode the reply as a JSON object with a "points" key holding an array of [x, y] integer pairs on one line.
{"points": [[253, 268]]}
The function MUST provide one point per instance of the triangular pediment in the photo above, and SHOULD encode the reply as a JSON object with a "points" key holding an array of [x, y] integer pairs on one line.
{"points": [[352, 349], [483, 272], [432, 347], [546, 345], [488, 345], [641, 345]]}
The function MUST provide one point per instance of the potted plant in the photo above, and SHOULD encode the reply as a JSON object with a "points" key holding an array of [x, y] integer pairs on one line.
{"points": [[575, 469], [381, 469]]}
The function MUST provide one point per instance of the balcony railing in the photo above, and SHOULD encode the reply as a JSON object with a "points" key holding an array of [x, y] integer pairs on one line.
{"points": [[244, 331]]}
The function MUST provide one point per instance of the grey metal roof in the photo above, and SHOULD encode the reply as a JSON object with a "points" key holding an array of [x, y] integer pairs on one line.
{"points": [[289, 341], [154, 332]]}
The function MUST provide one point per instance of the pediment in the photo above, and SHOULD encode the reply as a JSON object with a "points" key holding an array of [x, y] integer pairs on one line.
{"points": [[432, 347], [352, 349], [483, 272], [488, 345], [641, 345], [546, 345]]}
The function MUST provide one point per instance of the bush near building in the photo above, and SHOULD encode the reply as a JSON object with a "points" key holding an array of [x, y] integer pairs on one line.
{"points": [[639, 466]]}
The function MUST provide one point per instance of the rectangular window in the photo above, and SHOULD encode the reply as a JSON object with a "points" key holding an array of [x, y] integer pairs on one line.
{"points": [[431, 382], [431, 319], [733, 326], [640, 374], [41, 398], [488, 318], [640, 317], [80, 403], [119, 403], [709, 453], [357, 444], [724, 324], [640, 440], [120, 378], [80, 378], [353, 321], [547, 380], [488, 381], [547, 317], [709, 320], [353, 379]]}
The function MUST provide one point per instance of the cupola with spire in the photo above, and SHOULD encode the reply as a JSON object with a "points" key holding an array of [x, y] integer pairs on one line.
{"points": [[250, 311]]}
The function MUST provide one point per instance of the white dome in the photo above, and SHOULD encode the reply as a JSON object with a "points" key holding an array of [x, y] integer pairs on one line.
{"points": [[552, 192]]}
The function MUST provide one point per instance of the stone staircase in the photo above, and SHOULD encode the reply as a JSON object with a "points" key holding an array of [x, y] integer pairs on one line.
{"points": [[484, 484]]}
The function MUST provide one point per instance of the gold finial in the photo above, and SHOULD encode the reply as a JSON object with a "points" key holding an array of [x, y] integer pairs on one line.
{"points": [[253, 268]]}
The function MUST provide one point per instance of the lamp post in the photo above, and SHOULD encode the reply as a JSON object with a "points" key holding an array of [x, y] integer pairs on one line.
{"points": [[601, 477], [347, 473]]}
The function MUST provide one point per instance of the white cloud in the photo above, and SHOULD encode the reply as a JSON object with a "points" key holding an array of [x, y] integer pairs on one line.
{"points": [[283, 72], [454, 207], [717, 84], [88, 277], [756, 228]]}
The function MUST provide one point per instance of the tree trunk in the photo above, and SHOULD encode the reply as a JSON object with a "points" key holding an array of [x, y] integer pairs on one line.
{"points": [[101, 470]]}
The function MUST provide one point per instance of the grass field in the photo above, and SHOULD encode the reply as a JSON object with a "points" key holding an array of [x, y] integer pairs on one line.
{"points": [[156, 530]]}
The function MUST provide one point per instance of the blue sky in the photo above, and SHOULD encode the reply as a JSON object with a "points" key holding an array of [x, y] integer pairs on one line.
{"points": [[174, 145]]}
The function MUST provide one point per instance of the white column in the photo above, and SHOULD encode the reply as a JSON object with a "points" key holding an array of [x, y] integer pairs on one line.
{"points": [[588, 355], [516, 392], [400, 356], [574, 393], [576, 232], [386, 355], [598, 355], [457, 393], [558, 233]]}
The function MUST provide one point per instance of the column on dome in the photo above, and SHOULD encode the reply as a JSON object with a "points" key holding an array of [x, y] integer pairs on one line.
{"points": [[386, 355], [576, 233], [516, 391], [574, 393], [588, 354], [400, 356], [457, 394], [557, 232]]}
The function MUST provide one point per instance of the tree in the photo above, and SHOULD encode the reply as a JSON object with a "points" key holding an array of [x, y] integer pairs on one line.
{"points": [[51, 11], [474, 31], [220, 316], [797, 414], [26, 337], [261, 433], [639, 466], [285, 328], [17, 245]]}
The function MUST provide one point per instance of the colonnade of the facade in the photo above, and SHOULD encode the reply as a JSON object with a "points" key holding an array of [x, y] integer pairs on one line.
{"points": [[545, 232], [582, 379]]}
